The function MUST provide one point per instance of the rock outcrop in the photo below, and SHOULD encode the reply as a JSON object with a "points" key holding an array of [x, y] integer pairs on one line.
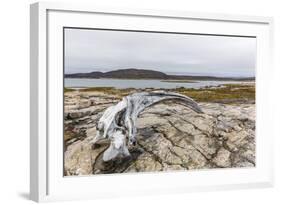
{"points": [[169, 137]]}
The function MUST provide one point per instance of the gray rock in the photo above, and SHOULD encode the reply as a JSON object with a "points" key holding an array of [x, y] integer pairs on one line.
{"points": [[169, 137], [222, 158]]}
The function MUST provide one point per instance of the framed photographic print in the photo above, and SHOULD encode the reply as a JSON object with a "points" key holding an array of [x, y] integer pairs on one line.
{"points": [[129, 102]]}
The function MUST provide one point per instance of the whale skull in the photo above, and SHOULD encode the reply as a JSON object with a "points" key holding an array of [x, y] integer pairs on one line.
{"points": [[118, 122]]}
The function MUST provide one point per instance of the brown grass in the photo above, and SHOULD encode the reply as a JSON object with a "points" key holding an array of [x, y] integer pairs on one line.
{"points": [[228, 93], [65, 90]]}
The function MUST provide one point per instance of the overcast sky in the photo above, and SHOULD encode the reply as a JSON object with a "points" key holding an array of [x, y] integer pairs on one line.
{"points": [[99, 50]]}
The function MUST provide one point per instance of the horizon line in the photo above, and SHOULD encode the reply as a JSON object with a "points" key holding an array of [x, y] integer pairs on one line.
{"points": [[169, 73]]}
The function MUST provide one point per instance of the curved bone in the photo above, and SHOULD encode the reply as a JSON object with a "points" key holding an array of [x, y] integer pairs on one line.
{"points": [[118, 122]]}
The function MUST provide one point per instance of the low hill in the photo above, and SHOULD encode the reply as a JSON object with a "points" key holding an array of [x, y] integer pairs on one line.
{"points": [[133, 73], [130, 73], [136, 74]]}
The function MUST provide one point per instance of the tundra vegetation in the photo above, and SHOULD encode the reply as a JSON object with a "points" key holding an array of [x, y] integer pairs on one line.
{"points": [[227, 93]]}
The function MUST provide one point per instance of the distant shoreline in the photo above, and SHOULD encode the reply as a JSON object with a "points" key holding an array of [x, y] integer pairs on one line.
{"points": [[246, 83], [142, 74], [191, 79]]}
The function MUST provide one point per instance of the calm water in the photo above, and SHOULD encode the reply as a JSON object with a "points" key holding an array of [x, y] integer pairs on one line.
{"points": [[82, 82]]}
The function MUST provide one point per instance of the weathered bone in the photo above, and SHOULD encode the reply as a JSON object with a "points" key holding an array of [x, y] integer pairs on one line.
{"points": [[118, 122]]}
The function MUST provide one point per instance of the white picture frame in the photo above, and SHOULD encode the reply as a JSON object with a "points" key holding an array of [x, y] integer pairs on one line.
{"points": [[46, 178]]}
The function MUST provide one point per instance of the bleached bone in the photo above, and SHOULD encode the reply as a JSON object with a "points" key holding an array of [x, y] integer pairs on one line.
{"points": [[118, 122]]}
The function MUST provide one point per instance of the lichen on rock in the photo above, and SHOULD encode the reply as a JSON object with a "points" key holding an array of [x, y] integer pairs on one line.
{"points": [[169, 137]]}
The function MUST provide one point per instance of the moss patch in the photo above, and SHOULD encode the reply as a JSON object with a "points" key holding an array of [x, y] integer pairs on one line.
{"points": [[227, 93], [68, 90]]}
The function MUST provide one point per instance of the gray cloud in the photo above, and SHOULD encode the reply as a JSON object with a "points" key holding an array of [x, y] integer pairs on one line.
{"points": [[100, 50]]}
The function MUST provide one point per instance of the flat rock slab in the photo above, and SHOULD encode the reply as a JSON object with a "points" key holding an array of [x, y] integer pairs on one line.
{"points": [[169, 137]]}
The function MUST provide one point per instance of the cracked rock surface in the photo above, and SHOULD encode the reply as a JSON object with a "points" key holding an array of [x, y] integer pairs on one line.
{"points": [[169, 137]]}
